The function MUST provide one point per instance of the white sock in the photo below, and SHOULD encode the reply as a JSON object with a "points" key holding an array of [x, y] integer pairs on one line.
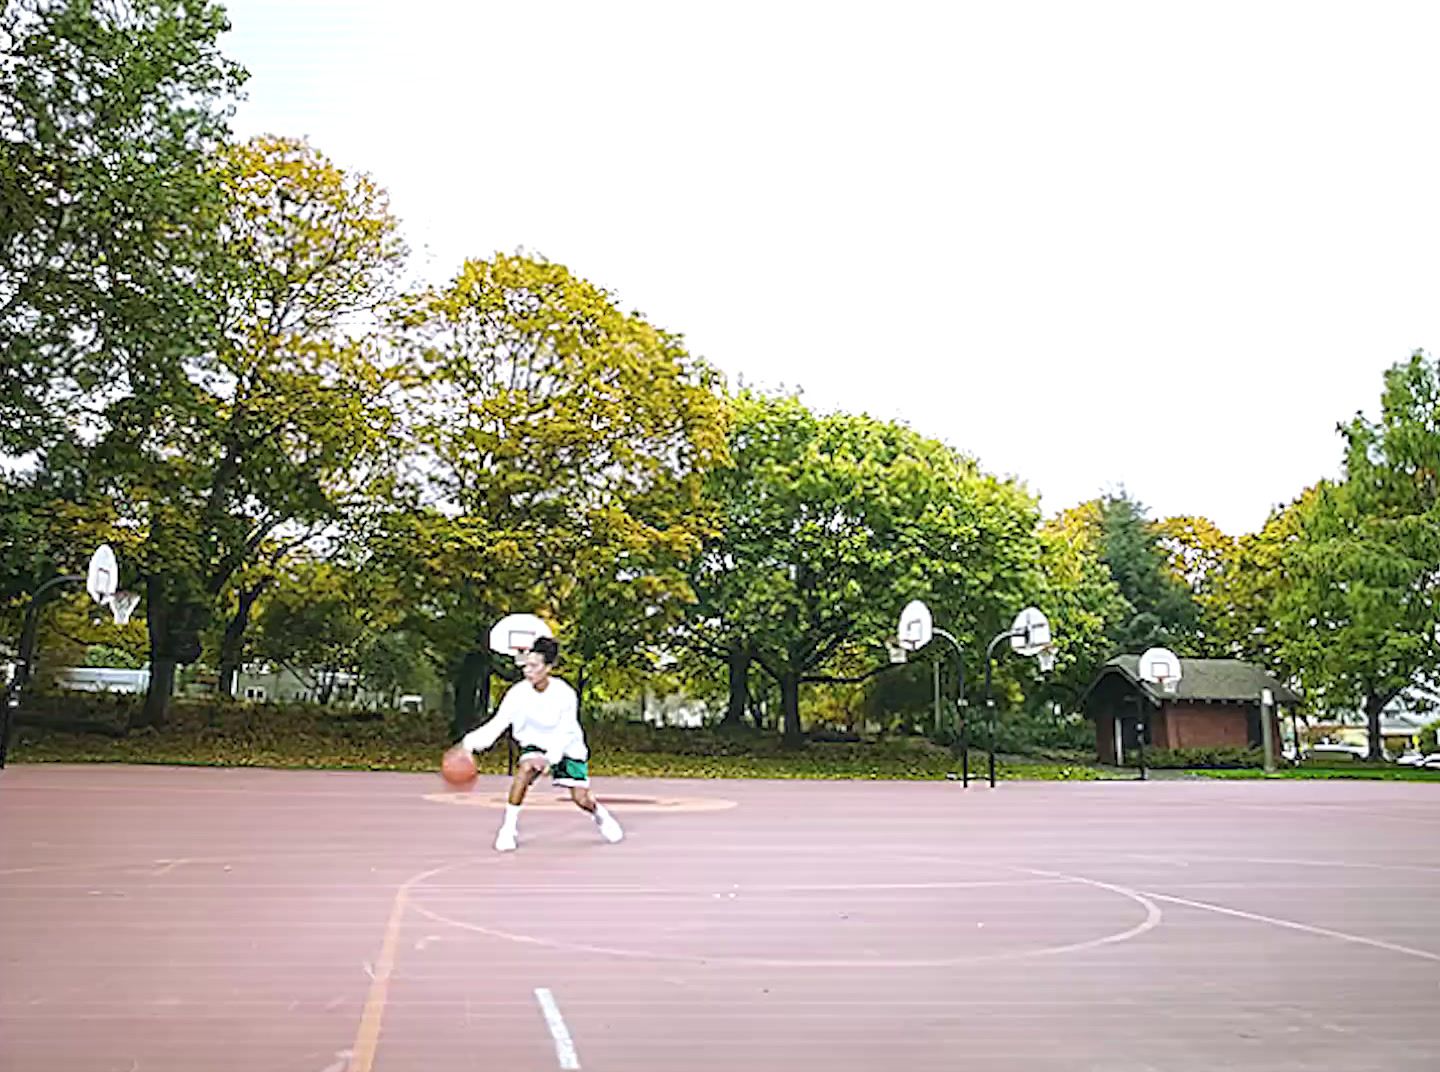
{"points": [[512, 817], [600, 813]]}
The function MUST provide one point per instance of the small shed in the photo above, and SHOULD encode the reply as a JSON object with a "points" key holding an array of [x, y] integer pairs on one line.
{"points": [[1217, 705]]}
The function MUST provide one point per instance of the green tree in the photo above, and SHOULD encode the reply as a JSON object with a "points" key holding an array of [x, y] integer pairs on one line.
{"points": [[321, 619], [1248, 589], [1081, 599], [1430, 738], [1162, 609], [108, 114], [828, 525], [286, 424], [1199, 554], [51, 521], [560, 450], [396, 662], [1360, 616]]}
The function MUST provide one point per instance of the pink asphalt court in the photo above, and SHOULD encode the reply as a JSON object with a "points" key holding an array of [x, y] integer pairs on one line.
{"points": [[190, 919]]}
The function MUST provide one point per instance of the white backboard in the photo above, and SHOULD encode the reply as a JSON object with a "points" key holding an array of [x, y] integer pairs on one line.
{"points": [[1030, 632], [916, 626], [515, 633], [103, 576], [1160, 666]]}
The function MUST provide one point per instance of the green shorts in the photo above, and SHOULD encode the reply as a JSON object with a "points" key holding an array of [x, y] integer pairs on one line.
{"points": [[568, 772]]}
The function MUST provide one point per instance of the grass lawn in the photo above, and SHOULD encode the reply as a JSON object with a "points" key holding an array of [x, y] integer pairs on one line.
{"points": [[242, 735]]}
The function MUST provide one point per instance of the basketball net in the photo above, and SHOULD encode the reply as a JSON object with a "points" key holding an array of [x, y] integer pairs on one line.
{"points": [[122, 605]]}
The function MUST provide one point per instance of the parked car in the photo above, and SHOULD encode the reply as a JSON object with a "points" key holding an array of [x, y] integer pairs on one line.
{"points": [[1420, 760], [1335, 749]]}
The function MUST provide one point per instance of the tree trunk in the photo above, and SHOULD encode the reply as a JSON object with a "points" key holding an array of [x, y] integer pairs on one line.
{"points": [[232, 645], [1373, 706], [739, 687], [472, 676], [157, 696], [158, 619], [174, 624], [758, 706], [790, 706]]}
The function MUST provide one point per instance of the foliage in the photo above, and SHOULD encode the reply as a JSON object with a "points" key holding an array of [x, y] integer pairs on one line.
{"points": [[394, 662], [50, 523], [1082, 600], [560, 449], [322, 619], [1201, 556], [1037, 730], [1359, 618], [905, 696], [278, 430], [1162, 610], [828, 525], [1252, 582], [91, 729], [126, 658], [108, 113], [1198, 758], [1430, 738]]}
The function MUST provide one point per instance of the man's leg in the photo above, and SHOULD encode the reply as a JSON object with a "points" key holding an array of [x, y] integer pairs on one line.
{"points": [[525, 773], [585, 801]]}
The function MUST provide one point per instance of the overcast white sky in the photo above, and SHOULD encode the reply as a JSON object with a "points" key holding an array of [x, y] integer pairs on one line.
{"points": [[1093, 244]]}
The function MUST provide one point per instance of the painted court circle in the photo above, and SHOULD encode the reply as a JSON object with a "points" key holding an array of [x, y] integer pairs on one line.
{"points": [[715, 923]]}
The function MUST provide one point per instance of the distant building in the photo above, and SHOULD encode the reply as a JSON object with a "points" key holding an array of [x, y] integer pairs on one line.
{"points": [[102, 679], [1400, 728], [1217, 705], [254, 683]]}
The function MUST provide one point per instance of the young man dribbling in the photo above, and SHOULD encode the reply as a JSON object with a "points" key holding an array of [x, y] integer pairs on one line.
{"points": [[542, 713]]}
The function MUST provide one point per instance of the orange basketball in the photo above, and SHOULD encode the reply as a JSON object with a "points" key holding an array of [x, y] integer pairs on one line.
{"points": [[458, 767]]}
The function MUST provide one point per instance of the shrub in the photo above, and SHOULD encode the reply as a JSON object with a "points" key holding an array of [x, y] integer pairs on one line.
{"points": [[1203, 758], [1430, 738]]}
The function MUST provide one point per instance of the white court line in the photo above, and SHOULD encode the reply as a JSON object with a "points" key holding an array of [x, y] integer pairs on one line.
{"points": [[1152, 919], [564, 1047], [569, 889], [1285, 861], [1323, 932]]}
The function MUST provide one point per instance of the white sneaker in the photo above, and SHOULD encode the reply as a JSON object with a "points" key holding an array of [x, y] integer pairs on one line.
{"points": [[610, 829], [505, 840]]}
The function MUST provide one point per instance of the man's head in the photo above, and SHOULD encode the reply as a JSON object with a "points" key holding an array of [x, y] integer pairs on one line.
{"points": [[541, 658]]}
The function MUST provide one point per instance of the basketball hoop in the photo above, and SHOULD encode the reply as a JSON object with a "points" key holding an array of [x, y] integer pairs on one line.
{"points": [[916, 627], [520, 644], [896, 650], [102, 575], [515, 635], [1161, 667], [1030, 632], [1046, 658], [122, 605]]}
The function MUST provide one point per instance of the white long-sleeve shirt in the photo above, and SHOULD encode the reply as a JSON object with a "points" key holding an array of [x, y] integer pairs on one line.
{"points": [[549, 720]]}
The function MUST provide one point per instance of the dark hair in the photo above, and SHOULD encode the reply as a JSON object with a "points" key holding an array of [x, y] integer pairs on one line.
{"points": [[548, 648]]}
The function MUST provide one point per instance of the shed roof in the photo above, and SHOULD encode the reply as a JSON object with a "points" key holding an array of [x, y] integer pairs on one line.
{"points": [[1218, 680]]}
